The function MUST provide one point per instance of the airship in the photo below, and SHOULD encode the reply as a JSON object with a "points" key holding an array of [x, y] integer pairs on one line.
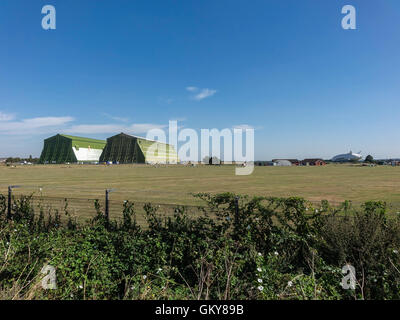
{"points": [[351, 156]]}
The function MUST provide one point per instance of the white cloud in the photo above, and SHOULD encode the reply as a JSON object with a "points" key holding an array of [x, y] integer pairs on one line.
{"points": [[178, 119], [21, 136], [144, 127], [201, 93], [135, 128], [53, 125], [6, 116], [93, 128], [205, 93], [245, 126], [163, 100], [119, 119], [34, 125], [192, 89]]}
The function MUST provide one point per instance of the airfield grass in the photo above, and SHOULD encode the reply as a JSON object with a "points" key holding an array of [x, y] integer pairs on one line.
{"points": [[175, 184]]}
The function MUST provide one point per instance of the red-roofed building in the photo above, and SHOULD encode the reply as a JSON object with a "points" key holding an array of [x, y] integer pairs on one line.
{"points": [[313, 162]]}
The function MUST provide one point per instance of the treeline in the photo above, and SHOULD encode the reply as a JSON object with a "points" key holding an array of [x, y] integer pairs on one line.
{"points": [[21, 160], [240, 248]]}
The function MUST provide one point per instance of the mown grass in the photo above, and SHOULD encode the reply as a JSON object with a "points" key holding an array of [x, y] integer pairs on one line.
{"points": [[175, 184]]}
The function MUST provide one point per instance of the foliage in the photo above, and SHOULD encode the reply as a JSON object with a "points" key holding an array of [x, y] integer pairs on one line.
{"points": [[239, 248], [18, 160], [369, 159]]}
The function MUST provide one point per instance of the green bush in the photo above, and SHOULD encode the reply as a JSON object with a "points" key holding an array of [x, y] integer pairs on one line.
{"points": [[238, 248]]}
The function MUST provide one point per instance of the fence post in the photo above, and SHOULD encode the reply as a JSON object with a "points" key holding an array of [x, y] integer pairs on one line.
{"points": [[107, 206], [236, 215], [9, 203], [107, 212]]}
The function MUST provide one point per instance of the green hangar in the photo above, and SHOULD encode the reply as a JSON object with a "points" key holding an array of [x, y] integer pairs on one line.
{"points": [[124, 148], [63, 148]]}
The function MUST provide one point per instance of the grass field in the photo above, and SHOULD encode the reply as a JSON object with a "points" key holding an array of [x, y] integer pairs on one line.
{"points": [[174, 184]]}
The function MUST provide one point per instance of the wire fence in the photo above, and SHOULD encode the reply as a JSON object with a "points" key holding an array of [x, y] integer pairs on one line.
{"points": [[82, 207], [119, 193]]}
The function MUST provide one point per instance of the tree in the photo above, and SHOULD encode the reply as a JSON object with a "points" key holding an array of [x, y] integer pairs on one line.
{"points": [[206, 160], [214, 161], [369, 159], [211, 160]]}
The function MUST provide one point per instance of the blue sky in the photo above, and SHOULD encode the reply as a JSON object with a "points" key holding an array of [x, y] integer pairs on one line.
{"points": [[286, 68]]}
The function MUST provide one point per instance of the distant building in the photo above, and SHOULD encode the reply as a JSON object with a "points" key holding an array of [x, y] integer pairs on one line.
{"points": [[124, 148], [263, 163], [62, 148], [282, 163], [293, 162], [313, 162], [347, 157]]}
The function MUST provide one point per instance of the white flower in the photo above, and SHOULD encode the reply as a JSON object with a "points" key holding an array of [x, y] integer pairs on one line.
{"points": [[316, 210], [159, 270], [395, 251], [132, 288], [259, 254], [259, 269], [259, 280], [144, 277], [276, 253], [80, 287], [290, 283], [261, 288]]}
